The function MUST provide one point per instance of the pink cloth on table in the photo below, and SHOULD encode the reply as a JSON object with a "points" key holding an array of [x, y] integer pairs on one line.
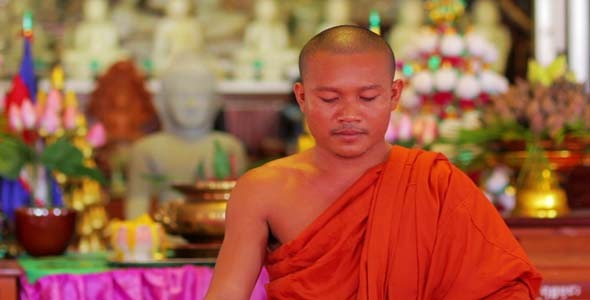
{"points": [[174, 283]]}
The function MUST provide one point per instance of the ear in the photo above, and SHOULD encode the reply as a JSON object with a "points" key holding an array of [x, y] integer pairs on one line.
{"points": [[396, 91], [299, 94]]}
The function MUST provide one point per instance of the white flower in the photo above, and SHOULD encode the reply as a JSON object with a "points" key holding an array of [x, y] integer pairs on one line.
{"points": [[452, 45], [492, 83], [476, 44], [427, 41], [467, 87], [445, 79], [422, 82], [490, 54], [409, 99]]}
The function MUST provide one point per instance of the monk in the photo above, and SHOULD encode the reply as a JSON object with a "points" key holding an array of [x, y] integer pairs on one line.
{"points": [[357, 218]]}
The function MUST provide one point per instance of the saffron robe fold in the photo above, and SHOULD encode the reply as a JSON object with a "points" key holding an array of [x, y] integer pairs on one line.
{"points": [[414, 227]]}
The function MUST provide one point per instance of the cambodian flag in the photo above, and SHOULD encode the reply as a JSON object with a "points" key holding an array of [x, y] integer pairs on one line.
{"points": [[24, 84]]}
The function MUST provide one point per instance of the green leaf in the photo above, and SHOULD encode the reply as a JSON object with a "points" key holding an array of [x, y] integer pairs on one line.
{"points": [[221, 163], [64, 157], [14, 155]]}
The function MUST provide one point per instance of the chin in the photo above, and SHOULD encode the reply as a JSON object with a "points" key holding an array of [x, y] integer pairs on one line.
{"points": [[349, 151]]}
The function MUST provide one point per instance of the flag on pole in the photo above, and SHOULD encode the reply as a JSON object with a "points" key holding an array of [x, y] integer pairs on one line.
{"points": [[24, 85]]}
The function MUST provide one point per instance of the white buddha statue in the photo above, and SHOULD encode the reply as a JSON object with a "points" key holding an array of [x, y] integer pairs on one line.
{"points": [[336, 12], [188, 105], [265, 53], [226, 23], [179, 32], [306, 16], [135, 29], [409, 25], [96, 43], [486, 22]]}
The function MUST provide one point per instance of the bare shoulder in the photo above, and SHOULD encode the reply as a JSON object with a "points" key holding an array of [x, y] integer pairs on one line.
{"points": [[272, 176], [256, 191]]}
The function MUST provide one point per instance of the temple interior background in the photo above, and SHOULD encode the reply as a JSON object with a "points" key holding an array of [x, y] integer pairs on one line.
{"points": [[145, 112]]}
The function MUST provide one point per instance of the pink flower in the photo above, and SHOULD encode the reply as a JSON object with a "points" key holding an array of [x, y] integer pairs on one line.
{"points": [[50, 121], [70, 116], [405, 127], [14, 118], [29, 117], [53, 101], [97, 135]]}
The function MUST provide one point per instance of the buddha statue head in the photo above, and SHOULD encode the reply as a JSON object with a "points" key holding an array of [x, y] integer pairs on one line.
{"points": [[266, 10], [123, 104], [95, 10], [178, 8], [188, 101]]}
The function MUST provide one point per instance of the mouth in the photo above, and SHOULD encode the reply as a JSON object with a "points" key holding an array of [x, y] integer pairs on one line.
{"points": [[349, 133]]}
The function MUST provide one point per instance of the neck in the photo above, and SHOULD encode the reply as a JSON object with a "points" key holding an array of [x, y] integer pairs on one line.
{"points": [[335, 164], [188, 133]]}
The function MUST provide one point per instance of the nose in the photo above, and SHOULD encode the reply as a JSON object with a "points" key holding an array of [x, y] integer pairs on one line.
{"points": [[349, 112]]}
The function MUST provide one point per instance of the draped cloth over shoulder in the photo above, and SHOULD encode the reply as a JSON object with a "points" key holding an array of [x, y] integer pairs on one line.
{"points": [[413, 227]]}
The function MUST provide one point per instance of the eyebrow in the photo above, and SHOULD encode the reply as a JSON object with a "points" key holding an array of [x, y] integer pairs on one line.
{"points": [[331, 89]]}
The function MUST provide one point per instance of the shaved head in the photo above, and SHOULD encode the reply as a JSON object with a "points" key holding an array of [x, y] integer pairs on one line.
{"points": [[345, 39]]}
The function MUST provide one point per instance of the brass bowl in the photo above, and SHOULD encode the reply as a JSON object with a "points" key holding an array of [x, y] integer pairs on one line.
{"points": [[200, 216]]}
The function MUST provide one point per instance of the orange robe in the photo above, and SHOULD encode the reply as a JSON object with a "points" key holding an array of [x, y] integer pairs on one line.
{"points": [[414, 227]]}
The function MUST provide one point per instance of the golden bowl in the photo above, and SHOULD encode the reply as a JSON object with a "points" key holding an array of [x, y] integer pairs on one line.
{"points": [[200, 216]]}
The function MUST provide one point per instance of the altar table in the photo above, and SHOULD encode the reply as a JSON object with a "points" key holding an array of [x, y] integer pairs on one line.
{"points": [[56, 278]]}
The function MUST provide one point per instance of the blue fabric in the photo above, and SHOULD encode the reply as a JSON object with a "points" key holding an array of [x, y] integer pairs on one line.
{"points": [[12, 196], [56, 192], [27, 70]]}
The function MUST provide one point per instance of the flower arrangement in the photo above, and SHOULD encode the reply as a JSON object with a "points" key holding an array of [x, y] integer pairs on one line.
{"points": [[42, 139], [449, 77], [549, 107]]}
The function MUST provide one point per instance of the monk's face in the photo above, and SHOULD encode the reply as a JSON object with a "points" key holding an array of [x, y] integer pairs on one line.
{"points": [[347, 100]]}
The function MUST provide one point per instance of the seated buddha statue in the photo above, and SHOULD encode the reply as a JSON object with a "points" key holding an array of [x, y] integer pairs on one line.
{"points": [[222, 38], [265, 53], [409, 25], [306, 16], [486, 22], [135, 28], [96, 44], [177, 32], [184, 150], [336, 12]]}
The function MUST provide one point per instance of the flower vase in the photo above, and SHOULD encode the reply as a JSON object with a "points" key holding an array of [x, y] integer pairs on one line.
{"points": [[44, 231], [538, 193], [42, 228]]}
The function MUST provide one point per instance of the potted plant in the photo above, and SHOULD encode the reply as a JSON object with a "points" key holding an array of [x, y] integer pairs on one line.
{"points": [[40, 140]]}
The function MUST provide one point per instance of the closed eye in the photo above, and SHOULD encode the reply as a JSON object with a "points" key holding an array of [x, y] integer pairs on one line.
{"points": [[328, 100], [368, 98]]}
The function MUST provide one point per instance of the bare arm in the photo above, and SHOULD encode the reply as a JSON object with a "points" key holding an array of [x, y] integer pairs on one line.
{"points": [[244, 246]]}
